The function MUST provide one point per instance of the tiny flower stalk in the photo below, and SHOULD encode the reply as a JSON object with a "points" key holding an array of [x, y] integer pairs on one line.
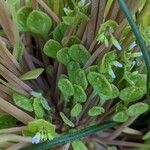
{"points": [[36, 139], [105, 34]]}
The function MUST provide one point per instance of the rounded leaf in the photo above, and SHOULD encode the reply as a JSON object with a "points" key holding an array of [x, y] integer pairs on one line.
{"points": [[114, 95], [72, 40], [79, 54], [137, 109], [23, 102], [22, 16], [39, 22], [95, 111], [75, 111], [120, 116], [139, 80], [66, 87], [59, 32], [80, 78], [51, 48], [100, 83], [131, 94], [79, 94], [72, 67], [63, 56]]}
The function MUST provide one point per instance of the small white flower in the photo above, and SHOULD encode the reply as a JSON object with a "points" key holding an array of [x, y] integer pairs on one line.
{"points": [[83, 2], [36, 138], [116, 43], [65, 9], [117, 64], [111, 73], [132, 45], [133, 63]]}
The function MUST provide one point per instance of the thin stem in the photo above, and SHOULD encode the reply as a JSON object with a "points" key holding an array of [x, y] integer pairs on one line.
{"points": [[12, 130], [14, 138]]}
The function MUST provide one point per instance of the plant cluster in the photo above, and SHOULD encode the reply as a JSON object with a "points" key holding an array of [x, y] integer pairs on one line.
{"points": [[67, 65]]}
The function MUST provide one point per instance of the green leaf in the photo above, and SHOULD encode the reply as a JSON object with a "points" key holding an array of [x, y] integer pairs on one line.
{"points": [[51, 48], [63, 56], [107, 60], [115, 42], [79, 54], [75, 111], [72, 67], [39, 22], [33, 74], [45, 104], [100, 83], [40, 124], [93, 68], [66, 87], [95, 111], [146, 136], [22, 16], [23, 102], [50, 70], [66, 120], [78, 145], [121, 107], [108, 24], [120, 116], [139, 39], [81, 17], [72, 40], [79, 94], [68, 20], [38, 109], [59, 32], [112, 148], [137, 109], [114, 94], [131, 94], [139, 80], [7, 121], [80, 78]]}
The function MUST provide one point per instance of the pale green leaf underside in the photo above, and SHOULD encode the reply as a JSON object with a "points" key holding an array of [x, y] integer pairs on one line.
{"points": [[33, 74]]}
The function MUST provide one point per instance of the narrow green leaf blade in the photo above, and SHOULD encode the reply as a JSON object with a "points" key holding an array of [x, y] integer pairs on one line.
{"points": [[66, 120], [33, 74]]}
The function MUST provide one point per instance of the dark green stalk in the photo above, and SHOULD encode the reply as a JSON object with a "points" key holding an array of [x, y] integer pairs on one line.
{"points": [[140, 42], [71, 137]]}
